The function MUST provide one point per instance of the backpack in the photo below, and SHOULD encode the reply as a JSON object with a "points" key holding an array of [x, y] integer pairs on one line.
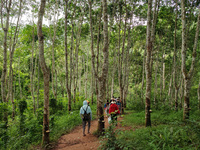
{"points": [[86, 116]]}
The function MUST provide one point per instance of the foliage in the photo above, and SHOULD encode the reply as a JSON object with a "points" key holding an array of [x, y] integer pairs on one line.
{"points": [[168, 132], [109, 140]]}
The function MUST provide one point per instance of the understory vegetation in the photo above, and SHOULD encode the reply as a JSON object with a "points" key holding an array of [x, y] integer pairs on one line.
{"points": [[30, 134], [168, 131]]}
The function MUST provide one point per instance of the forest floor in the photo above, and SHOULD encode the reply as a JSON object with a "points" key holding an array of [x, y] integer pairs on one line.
{"points": [[76, 141]]}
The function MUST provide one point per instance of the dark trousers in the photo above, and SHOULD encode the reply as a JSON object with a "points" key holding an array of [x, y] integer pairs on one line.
{"points": [[84, 125]]}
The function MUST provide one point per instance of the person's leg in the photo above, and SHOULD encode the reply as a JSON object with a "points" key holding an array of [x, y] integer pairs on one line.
{"points": [[89, 126], [84, 124]]}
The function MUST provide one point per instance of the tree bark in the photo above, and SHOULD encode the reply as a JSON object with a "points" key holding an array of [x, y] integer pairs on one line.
{"points": [[187, 76], [175, 65], [46, 74], [55, 22], [31, 72], [148, 67], [4, 70], [198, 93], [76, 71], [66, 59]]}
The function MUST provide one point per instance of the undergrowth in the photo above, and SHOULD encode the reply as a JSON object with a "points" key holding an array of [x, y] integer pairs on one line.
{"points": [[61, 122], [168, 132]]}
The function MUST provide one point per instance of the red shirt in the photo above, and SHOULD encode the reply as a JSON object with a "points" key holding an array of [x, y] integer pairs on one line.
{"points": [[114, 108]]}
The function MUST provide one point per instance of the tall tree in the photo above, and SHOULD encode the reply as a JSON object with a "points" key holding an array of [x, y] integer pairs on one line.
{"points": [[150, 38], [12, 50], [187, 76], [147, 66], [102, 78], [5, 7], [66, 59], [46, 73]]}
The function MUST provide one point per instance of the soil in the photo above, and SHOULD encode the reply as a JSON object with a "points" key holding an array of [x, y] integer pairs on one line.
{"points": [[76, 141]]}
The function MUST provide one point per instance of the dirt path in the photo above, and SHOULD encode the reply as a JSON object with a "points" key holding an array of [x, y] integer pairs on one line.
{"points": [[76, 141]]}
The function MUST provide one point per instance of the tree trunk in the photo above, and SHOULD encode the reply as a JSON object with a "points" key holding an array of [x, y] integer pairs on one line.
{"points": [[187, 76], [181, 93], [76, 71], [175, 65], [19, 79], [46, 74], [120, 56], [31, 72], [198, 93], [143, 75], [66, 59], [4, 69], [156, 81], [55, 22], [11, 59], [103, 77], [38, 86], [148, 68]]}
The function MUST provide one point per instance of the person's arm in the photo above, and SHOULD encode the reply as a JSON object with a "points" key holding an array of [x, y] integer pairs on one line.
{"points": [[80, 112]]}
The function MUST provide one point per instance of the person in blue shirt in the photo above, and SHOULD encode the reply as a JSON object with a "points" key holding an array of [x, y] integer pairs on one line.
{"points": [[119, 104], [86, 108]]}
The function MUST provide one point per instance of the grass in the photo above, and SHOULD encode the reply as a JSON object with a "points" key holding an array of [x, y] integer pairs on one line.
{"points": [[168, 132], [61, 123]]}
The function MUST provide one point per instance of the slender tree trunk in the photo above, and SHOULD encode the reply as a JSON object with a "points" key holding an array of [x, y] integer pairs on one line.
{"points": [[38, 86], [148, 68], [12, 49], [4, 69], [102, 79], [46, 74], [66, 59], [120, 60], [31, 72], [113, 75], [72, 49], [175, 65], [19, 79], [143, 75], [198, 93], [55, 22], [76, 71], [181, 93], [187, 76], [86, 76], [163, 75], [156, 81]]}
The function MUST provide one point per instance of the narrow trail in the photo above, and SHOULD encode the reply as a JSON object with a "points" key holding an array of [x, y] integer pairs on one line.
{"points": [[76, 141]]}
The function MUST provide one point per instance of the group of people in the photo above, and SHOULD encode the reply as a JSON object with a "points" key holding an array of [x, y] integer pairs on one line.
{"points": [[112, 109]]}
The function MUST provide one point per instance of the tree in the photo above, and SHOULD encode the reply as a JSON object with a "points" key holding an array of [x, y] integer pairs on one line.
{"points": [[12, 45], [149, 61], [187, 76], [102, 78], [66, 59], [46, 74]]}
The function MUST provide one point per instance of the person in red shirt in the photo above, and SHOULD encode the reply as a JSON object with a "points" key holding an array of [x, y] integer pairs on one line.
{"points": [[113, 110]]}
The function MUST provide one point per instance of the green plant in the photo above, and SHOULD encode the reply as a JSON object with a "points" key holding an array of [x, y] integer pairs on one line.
{"points": [[109, 140]]}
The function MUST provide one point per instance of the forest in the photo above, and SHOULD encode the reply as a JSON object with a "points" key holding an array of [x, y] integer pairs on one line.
{"points": [[55, 54]]}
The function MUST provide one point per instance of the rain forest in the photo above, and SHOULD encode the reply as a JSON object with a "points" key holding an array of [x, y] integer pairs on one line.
{"points": [[142, 56]]}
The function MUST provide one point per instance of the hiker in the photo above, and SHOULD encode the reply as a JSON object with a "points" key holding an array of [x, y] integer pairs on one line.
{"points": [[119, 104], [113, 110], [86, 115], [106, 107]]}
